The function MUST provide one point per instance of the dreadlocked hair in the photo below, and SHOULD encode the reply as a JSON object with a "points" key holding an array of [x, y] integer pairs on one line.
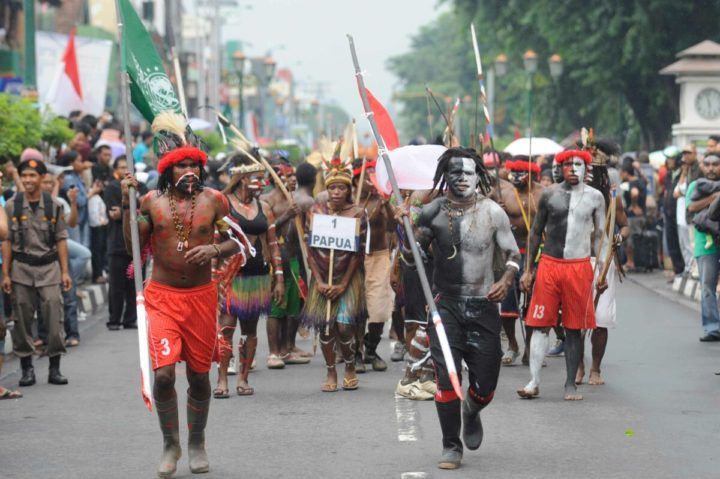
{"points": [[601, 182], [484, 177], [165, 180]]}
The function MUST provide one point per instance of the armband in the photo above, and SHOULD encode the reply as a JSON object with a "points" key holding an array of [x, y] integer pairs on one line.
{"points": [[513, 264], [217, 250], [279, 272]]}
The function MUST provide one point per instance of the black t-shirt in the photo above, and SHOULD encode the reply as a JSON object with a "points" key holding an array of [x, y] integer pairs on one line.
{"points": [[642, 188], [101, 172], [112, 195]]}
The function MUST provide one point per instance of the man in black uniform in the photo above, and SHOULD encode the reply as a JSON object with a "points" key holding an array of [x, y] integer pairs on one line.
{"points": [[467, 230], [35, 265]]}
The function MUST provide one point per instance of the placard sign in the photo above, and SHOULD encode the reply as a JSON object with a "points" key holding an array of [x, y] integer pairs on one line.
{"points": [[335, 232]]}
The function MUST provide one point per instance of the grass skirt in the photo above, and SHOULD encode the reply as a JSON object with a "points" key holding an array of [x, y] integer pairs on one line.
{"points": [[349, 309], [248, 297]]}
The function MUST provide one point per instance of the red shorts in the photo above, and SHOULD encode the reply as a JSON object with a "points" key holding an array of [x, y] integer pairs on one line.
{"points": [[566, 283], [182, 325]]}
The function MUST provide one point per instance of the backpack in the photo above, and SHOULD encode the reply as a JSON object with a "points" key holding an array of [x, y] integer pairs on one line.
{"points": [[51, 218]]}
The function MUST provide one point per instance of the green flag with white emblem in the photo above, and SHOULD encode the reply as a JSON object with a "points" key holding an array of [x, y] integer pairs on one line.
{"points": [[151, 90]]}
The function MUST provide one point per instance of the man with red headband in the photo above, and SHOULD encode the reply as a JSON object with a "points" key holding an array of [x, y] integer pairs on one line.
{"points": [[568, 213], [378, 292], [520, 203], [178, 221]]}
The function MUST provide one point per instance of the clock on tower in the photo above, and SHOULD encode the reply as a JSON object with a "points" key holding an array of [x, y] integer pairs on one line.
{"points": [[697, 71]]}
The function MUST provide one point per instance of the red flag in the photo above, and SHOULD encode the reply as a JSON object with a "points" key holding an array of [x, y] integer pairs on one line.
{"points": [[71, 65], [65, 93], [384, 122], [517, 133]]}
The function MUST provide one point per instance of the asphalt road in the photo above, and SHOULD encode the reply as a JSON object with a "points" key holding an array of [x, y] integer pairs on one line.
{"points": [[658, 416]]}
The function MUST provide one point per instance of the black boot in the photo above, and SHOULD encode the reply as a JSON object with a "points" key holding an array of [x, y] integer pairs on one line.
{"points": [[197, 414], [450, 421], [371, 342], [168, 416], [28, 372], [54, 375], [472, 425]]}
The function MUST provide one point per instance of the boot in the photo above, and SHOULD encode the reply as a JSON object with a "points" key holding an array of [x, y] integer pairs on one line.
{"points": [[28, 372], [168, 416], [450, 421], [54, 375], [472, 425], [371, 343], [197, 414]]}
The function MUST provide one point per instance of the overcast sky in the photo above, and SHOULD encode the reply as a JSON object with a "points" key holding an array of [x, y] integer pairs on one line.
{"points": [[308, 36]]}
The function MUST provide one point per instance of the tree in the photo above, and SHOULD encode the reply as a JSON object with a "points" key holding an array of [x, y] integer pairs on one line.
{"points": [[20, 126], [612, 52]]}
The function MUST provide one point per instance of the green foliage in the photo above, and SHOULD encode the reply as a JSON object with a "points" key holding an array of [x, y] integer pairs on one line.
{"points": [[612, 52], [213, 140], [56, 131], [19, 126]]}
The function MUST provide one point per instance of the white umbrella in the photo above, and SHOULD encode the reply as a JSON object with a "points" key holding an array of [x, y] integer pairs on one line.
{"points": [[199, 124], [414, 167], [539, 146]]}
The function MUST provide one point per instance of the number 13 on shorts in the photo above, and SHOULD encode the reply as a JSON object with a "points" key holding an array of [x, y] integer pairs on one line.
{"points": [[538, 311]]}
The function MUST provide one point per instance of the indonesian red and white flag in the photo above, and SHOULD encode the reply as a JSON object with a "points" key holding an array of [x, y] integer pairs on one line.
{"points": [[65, 94], [384, 123]]}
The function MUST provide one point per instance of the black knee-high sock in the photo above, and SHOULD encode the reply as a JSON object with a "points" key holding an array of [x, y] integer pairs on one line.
{"points": [[450, 423], [572, 355]]}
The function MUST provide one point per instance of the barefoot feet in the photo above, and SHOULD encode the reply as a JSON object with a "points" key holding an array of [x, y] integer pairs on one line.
{"points": [[571, 394], [580, 376], [595, 378]]}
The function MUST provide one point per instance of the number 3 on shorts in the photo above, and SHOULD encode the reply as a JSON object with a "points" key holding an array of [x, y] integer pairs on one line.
{"points": [[539, 311], [166, 345]]}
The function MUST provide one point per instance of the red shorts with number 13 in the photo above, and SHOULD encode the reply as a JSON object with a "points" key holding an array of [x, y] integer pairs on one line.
{"points": [[566, 284]]}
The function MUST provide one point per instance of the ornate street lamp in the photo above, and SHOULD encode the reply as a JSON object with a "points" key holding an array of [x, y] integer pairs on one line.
{"points": [[269, 68], [501, 65], [556, 66]]}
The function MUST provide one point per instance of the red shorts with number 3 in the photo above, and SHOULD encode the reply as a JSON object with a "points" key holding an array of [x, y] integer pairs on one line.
{"points": [[182, 325], [566, 284]]}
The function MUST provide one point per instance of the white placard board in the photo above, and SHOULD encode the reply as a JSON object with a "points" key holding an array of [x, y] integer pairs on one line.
{"points": [[93, 58], [335, 232]]}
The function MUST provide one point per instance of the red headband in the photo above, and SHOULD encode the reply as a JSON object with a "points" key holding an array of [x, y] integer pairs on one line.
{"points": [[567, 154], [177, 155], [521, 166], [368, 164]]}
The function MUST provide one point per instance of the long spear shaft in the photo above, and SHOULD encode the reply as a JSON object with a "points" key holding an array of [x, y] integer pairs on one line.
{"points": [[437, 321], [134, 233], [486, 110]]}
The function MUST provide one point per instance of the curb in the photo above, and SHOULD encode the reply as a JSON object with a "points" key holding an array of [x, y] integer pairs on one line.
{"points": [[94, 296], [685, 291]]}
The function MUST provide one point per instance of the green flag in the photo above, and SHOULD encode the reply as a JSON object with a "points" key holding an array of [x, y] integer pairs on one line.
{"points": [[151, 90]]}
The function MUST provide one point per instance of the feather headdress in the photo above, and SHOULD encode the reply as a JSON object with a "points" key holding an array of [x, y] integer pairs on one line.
{"points": [[338, 169], [174, 141]]}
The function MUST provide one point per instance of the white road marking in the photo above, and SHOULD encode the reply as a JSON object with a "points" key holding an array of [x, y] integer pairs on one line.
{"points": [[407, 424], [413, 475]]}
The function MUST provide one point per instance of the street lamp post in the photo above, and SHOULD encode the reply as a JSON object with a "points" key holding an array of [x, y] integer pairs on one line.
{"points": [[556, 69], [239, 64], [497, 70], [268, 72], [530, 63]]}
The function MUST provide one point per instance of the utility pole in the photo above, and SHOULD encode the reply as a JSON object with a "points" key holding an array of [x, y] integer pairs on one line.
{"points": [[29, 79]]}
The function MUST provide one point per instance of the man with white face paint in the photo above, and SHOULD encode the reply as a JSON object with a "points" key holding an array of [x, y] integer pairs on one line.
{"points": [[567, 215], [466, 230]]}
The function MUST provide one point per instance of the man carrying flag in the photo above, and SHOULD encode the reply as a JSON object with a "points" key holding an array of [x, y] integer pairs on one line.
{"points": [[178, 220]]}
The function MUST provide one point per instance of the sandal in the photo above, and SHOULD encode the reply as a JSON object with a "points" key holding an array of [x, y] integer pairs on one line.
{"points": [[244, 391], [350, 384], [9, 394], [275, 362], [220, 393], [329, 388], [509, 357]]}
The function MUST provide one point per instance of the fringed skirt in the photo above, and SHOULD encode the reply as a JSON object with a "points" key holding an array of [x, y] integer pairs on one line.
{"points": [[248, 297], [349, 309]]}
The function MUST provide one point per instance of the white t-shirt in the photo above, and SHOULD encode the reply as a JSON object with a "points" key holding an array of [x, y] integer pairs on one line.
{"points": [[681, 208], [97, 212]]}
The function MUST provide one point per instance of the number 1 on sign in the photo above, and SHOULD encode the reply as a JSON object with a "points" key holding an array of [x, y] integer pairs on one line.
{"points": [[334, 223]]}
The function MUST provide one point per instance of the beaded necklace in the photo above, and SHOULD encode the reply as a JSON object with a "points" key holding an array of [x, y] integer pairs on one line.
{"points": [[181, 231]]}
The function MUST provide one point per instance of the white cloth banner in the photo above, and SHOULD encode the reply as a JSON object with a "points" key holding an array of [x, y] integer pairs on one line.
{"points": [[414, 167], [93, 58]]}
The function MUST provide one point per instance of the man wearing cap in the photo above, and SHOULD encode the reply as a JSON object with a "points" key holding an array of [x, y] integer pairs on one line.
{"points": [[567, 214], [35, 265]]}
